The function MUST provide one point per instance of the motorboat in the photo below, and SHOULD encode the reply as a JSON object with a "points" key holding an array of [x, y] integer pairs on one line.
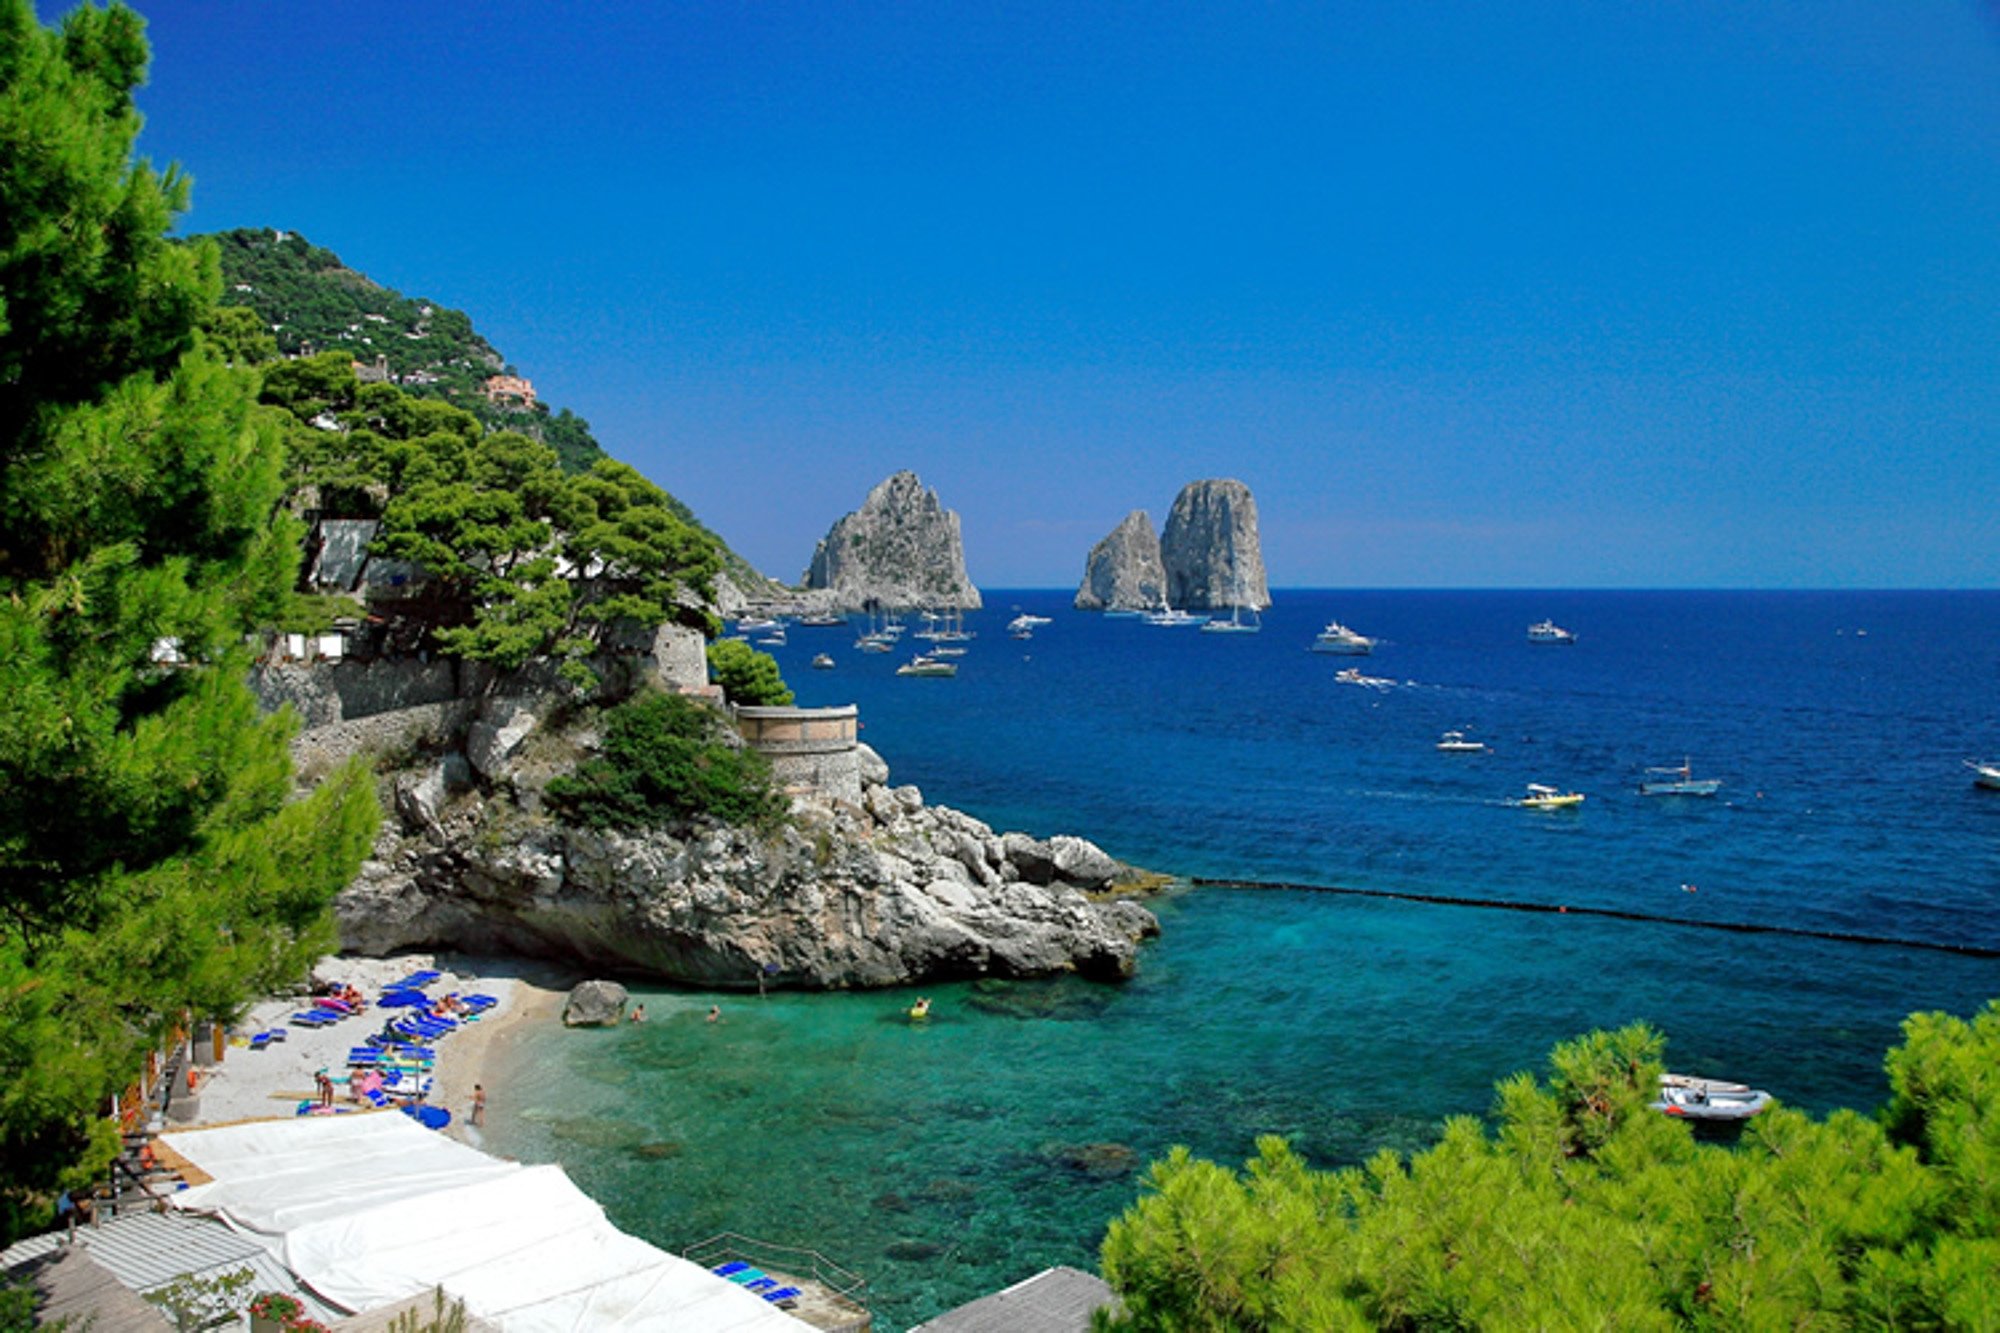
{"points": [[923, 664], [1455, 742], [1692, 1098], [875, 643], [1984, 774], [1172, 618], [758, 625], [1353, 676], [1540, 797], [948, 651], [1338, 638], [822, 662], [1677, 781], [822, 620], [1547, 631], [1026, 621]]}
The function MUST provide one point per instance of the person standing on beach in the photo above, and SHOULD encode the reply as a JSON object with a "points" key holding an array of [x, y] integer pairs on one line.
{"points": [[478, 1104]]}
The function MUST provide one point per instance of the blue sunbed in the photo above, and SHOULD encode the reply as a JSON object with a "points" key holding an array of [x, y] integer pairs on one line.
{"points": [[729, 1269], [260, 1041], [783, 1295]]}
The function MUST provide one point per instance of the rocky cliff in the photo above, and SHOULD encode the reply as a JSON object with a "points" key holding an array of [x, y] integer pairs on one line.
{"points": [[1210, 549], [881, 892], [900, 549], [1124, 570]]}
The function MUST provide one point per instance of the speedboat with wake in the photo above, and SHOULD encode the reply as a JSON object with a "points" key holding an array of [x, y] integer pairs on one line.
{"points": [[1540, 797], [1984, 774]]}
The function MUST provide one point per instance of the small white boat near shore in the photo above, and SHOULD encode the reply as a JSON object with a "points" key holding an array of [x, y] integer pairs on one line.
{"points": [[1692, 1098]]}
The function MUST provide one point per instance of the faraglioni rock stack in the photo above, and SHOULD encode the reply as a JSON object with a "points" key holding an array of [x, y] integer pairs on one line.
{"points": [[1210, 548], [900, 549], [1210, 558], [1124, 570]]}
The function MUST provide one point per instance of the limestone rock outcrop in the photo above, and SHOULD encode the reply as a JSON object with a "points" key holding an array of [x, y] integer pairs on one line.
{"points": [[595, 1004], [884, 891], [900, 549], [1210, 549], [1124, 571]]}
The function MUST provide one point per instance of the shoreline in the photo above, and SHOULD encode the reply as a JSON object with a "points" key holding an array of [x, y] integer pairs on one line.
{"points": [[269, 1083]]}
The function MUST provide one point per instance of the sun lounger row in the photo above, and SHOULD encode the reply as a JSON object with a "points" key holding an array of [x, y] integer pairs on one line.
{"points": [[755, 1279], [260, 1040]]}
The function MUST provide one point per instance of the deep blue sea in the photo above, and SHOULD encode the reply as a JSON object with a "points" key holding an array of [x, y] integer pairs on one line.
{"points": [[949, 1159]]}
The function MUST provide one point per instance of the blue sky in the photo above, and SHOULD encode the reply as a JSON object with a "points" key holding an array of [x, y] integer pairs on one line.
{"points": [[1470, 294]]}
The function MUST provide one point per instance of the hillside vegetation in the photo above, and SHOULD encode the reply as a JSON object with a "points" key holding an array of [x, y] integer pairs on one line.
{"points": [[310, 303]]}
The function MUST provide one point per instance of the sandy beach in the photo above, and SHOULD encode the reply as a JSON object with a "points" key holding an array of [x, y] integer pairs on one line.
{"points": [[269, 1083]]}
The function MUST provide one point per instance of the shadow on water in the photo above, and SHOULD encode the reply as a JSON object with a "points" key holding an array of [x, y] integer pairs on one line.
{"points": [[1062, 1000]]}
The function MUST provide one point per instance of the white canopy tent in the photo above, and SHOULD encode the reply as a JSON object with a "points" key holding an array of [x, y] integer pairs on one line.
{"points": [[371, 1209]]}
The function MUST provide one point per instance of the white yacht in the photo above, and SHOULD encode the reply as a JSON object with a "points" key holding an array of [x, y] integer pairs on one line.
{"points": [[1338, 638], [1548, 631], [1456, 742], [925, 665], [1171, 618]]}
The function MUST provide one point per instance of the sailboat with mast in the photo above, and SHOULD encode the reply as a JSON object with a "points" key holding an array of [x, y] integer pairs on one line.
{"points": [[1236, 624]]}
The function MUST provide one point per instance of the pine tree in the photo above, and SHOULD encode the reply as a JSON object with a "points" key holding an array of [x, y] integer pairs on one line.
{"points": [[153, 864]]}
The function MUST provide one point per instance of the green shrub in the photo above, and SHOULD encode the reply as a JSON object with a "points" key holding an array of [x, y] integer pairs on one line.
{"points": [[746, 675], [665, 761]]}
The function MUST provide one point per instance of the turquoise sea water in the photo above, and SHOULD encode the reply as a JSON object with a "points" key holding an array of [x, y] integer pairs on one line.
{"points": [[947, 1159]]}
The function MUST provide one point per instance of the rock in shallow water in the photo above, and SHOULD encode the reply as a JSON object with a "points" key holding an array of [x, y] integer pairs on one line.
{"points": [[595, 1004]]}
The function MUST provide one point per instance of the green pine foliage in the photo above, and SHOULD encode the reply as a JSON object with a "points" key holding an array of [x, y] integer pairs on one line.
{"points": [[521, 559], [284, 295], [668, 762], [153, 864], [1584, 1209], [746, 675]]}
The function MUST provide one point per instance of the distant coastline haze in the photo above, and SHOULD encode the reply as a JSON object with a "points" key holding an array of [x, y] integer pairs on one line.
{"points": [[1471, 296]]}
